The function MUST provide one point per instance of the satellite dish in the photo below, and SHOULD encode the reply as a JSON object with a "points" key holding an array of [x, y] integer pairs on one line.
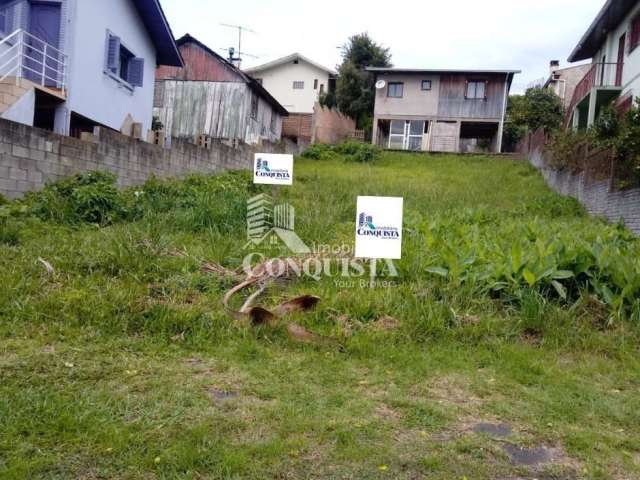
{"points": [[380, 84]]}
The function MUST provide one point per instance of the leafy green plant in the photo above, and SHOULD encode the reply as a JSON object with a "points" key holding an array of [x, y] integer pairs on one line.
{"points": [[507, 259], [565, 150], [83, 198], [349, 150], [319, 151]]}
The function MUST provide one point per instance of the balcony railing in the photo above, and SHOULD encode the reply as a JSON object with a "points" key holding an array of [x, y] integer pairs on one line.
{"points": [[599, 75], [23, 55]]}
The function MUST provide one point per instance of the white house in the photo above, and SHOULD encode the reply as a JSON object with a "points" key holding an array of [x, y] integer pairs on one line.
{"points": [[295, 81], [612, 43], [71, 65]]}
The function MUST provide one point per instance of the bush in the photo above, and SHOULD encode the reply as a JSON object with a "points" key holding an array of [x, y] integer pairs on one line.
{"points": [[565, 149], [3, 200], [319, 151], [350, 150], [83, 198], [606, 128], [627, 146]]}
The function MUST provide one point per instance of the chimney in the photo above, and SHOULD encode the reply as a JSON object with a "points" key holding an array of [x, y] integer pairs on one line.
{"points": [[554, 65]]}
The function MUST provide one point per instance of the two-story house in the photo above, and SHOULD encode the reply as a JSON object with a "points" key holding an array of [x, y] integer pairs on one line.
{"points": [[297, 83], [440, 110], [211, 96], [563, 81], [71, 65], [611, 42]]}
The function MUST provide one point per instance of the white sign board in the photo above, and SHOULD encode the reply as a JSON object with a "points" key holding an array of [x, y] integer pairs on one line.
{"points": [[273, 169], [379, 228]]}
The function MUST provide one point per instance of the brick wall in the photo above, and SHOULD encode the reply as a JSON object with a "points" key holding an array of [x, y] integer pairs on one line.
{"points": [[30, 157], [297, 125], [591, 187], [330, 126]]}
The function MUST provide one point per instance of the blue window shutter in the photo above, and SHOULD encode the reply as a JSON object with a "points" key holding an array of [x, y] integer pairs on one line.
{"points": [[136, 72], [113, 53]]}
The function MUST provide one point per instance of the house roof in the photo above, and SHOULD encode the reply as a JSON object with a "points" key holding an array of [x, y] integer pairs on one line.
{"points": [[160, 32], [612, 14], [287, 59], [421, 70], [253, 84]]}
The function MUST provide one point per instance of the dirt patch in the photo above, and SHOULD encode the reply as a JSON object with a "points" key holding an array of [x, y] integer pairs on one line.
{"points": [[496, 430], [453, 390], [387, 413], [221, 396], [385, 324]]}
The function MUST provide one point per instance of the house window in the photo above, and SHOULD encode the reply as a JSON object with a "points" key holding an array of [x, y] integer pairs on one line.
{"points": [[254, 106], [7, 20], [274, 121], [395, 90], [298, 85], [426, 85], [315, 84], [634, 41], [476, 90], [122, 64]]}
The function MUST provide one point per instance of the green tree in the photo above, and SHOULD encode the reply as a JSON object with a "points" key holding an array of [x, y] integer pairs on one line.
{"points": [[355, 92], [539, 108]]}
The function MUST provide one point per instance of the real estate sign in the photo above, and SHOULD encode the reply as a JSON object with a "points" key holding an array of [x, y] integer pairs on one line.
{"points": [[379, 228], [273, 169]]}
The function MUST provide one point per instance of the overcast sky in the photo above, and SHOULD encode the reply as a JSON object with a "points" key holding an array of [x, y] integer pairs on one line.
{"points": [[519, 34]]}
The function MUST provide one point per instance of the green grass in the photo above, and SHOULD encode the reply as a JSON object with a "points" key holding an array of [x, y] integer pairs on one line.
{"points": [[109, 366]]}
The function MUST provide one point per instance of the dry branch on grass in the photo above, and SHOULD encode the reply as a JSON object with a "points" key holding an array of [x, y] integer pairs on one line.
{"points": [[260, 278]]}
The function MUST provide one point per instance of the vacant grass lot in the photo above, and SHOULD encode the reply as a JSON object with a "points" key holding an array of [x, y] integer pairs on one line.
{"points": [[508, 348]]}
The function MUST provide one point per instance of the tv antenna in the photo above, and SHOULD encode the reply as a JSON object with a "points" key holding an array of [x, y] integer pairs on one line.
{"points": [[241, 29]]}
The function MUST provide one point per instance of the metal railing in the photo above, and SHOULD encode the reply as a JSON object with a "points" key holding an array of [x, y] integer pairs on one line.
{"points": [[23, 55], [599, 75]]}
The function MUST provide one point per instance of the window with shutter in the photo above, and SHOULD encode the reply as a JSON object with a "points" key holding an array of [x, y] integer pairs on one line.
{"points": [[122, 64], [113, 53], [634, 37], [136, 72]]}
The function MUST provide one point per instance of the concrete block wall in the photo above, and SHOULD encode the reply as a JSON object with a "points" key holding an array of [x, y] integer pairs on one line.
{"points": [[598, 195], [30, 157]]}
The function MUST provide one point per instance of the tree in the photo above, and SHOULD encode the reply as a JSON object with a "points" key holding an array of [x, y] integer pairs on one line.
{"points": [[539, 108], [355, 92]]}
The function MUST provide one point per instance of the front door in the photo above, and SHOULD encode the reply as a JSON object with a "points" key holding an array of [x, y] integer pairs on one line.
{"points": [[43, 63], [620, 66]]}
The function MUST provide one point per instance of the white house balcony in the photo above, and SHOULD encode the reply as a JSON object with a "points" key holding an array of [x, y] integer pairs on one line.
{"points": [[33, 70], [600, 86], [24, 56]]}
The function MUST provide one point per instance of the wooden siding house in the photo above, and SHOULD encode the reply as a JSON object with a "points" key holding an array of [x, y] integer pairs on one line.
{"points": [[210, 96], [441, 110]]}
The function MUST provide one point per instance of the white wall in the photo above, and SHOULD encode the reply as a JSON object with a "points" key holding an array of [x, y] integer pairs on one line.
{"points": [[92, 93], [23, 110], [279, 80], [631, 70]]}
